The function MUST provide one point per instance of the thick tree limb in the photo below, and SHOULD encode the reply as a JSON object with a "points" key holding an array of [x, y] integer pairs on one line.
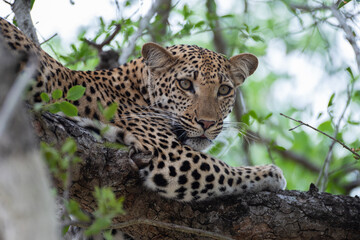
{"points": [[283, 215], [21, 8]]}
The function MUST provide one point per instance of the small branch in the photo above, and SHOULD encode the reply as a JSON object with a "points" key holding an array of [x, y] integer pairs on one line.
{"points": [[48, 39], [325, 169], [334, 139], [7, 2], [291, 129], [144, 23], [106, 41]]}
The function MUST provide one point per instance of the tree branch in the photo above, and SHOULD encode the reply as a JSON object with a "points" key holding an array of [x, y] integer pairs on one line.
{"points": [[324, 173], [275, 215], [21, 8], [334, 139], [106, 41], [108, 59]]}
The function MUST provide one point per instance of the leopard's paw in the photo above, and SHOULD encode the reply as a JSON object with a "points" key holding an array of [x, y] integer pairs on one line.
{"points": [[139, 159]]}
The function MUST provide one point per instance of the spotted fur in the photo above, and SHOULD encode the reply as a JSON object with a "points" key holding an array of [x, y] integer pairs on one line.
{"points": [[172, 103]]}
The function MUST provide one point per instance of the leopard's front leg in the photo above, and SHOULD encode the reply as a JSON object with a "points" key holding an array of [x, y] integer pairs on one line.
{"points": [[177, 171]]}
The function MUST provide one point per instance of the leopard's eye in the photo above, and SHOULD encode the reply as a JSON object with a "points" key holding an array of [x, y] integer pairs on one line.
{"points": [[224, 90], [185, 84]]}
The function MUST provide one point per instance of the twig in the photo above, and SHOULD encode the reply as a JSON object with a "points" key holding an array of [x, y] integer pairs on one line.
{"points": [[48, 39], [307, 125], [172, 226], [307, 8], [106, 41], [291, 129], [144, 23], [16, 92], [159, 224], [325, 169]]}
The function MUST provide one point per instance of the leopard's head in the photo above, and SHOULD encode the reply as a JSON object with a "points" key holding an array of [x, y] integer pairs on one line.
{"points": [[197, 86]]}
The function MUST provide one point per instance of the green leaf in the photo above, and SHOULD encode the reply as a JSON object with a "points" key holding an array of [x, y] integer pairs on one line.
{"points": [[353, 122], [74, 209], [107, 235], [75, 93], [54, 108], [32, 4], [246, 118], [44, 97], [227, 16], [280, 148], [331, 100], [343, 3], [253, 115], [268, 116], [257, 38], [348, 69], [356, 96], [69, 146], [65, 230], [68, 109], [110, 111], [98, 225], [56, 94], [117, 146], [319, 115], [326, 126]]}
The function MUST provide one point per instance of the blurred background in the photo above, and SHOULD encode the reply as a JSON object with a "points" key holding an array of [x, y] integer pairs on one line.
{"points": [[308, 71]]}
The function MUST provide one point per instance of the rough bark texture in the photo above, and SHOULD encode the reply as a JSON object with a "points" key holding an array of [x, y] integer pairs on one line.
{"points": [[265, 215]]}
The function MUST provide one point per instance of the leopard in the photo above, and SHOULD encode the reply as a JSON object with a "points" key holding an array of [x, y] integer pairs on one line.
{"points": [[171, 103]]}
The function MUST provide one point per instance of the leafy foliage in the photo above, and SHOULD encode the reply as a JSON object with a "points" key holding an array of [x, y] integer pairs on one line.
{"points": [[74, 93]]}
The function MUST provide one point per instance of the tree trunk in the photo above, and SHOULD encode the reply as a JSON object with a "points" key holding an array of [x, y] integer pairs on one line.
{"points": [[27, 209], [264, 215]]}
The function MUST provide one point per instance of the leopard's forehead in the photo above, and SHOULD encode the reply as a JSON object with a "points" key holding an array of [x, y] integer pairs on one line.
{"points": [[197, 61]]}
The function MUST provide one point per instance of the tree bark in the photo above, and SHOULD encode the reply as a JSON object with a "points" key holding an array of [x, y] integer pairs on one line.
{"points": [[264, 215], [27, 209]]}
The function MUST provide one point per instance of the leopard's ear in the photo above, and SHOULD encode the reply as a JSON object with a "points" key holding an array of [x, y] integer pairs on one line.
{"points": [[157, 57], [242, 66]]}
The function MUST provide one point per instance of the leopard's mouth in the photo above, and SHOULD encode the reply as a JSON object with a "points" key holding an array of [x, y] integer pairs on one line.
{"points": [[198, 143]]}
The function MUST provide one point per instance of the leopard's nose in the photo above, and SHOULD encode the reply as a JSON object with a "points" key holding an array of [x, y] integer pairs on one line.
{"points": [[205, 124]]}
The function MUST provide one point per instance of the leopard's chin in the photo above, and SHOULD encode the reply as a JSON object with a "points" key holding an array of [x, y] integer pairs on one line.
{"points": [[198, 143]]}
